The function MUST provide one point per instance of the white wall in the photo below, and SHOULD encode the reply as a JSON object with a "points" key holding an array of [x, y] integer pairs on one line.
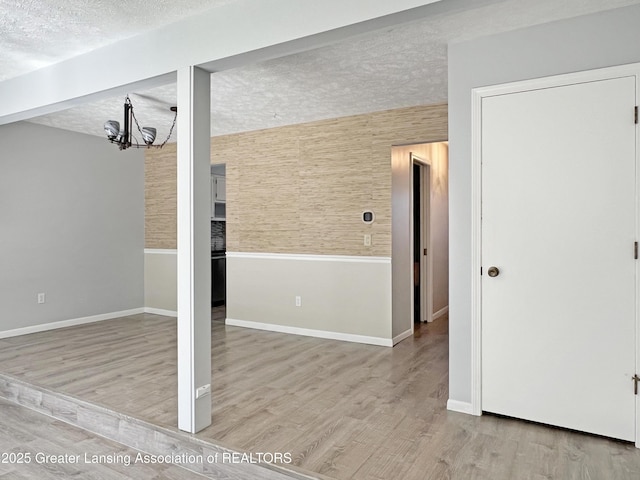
{"points": [[342, 297], [72, 220], [161, 281], [583, 43], [440, 225]]}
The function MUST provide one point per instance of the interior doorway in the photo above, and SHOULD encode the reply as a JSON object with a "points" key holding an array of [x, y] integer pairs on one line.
{"points": [[422, 265], [420, 224]]}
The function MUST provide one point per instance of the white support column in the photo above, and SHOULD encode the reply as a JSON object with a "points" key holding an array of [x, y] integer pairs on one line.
{"points": [[194, 250]]}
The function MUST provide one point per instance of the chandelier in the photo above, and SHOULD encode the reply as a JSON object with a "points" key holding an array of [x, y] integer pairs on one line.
{"points": [[125, 139]]}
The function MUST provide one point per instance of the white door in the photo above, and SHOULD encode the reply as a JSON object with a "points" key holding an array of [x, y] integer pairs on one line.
{"points": [[558, 221]]}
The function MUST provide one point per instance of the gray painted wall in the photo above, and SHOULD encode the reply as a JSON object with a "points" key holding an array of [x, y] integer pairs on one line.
{"points": [[347, 297], [583, 43], [72, 220]]}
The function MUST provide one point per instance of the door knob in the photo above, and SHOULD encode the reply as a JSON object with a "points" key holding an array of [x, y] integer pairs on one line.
{"points": [[493, 271]]}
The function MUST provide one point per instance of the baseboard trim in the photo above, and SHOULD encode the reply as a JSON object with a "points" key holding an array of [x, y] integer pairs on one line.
{"points": [[307, 332], [440, 313], [397, 339], [462, 407], [68, 323], [160, 311]]}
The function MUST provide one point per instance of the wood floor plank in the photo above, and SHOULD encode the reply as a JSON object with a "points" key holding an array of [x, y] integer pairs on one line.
{"points": [[27, 432], [348, 411]]}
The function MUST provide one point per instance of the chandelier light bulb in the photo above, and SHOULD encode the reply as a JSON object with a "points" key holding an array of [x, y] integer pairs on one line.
{"points": [[112, 128], [148, 135]]}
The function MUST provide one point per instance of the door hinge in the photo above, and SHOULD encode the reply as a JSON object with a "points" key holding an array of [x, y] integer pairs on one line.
{"points": [[635, 114], [425, 251], [635, 250], [480, 270], [635, 379]]}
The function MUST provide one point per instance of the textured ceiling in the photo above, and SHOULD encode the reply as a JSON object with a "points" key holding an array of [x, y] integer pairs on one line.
{"points": [[37, 33], [397, 67]]}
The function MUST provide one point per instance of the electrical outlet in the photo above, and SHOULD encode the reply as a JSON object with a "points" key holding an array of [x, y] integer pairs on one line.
{"points": [[41, 298], [202, 391], [298, 301], [367, 240]]}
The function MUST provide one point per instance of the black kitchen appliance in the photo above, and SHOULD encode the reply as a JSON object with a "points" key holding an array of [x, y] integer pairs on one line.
{"points": [[218, 277]]}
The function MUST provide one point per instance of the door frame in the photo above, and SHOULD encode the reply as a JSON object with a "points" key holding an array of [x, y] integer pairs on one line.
{"points": [[426, 265], [477, 94]]}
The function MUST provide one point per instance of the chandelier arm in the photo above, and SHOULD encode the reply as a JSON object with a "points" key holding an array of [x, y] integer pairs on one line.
{"points": [[175, 117], [136, 120], [136, 144]]}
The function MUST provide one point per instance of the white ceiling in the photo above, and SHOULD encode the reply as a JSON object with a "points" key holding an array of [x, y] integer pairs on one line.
{"points": [[397, 67], [37, 33]]}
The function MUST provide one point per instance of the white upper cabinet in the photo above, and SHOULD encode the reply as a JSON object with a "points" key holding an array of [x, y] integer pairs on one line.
{"points": [[218, 197], [221, 185]]}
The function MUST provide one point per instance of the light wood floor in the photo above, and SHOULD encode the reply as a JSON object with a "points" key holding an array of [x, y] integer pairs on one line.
{"points": [[25, 432], [347, 411]]}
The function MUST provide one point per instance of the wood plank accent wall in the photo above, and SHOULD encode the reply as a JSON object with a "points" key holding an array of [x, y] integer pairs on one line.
{"points": [[301, 188]]}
